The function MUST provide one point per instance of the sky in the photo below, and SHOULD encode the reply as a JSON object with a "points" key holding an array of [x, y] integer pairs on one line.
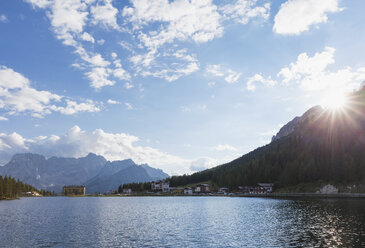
{"points": [[181, 85]]}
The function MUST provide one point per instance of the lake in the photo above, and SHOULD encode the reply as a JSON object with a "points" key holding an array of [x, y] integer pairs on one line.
{"points": [[181, 222]]}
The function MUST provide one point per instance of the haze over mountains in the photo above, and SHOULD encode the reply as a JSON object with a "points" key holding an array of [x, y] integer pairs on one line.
{"points": [[93, 171]]}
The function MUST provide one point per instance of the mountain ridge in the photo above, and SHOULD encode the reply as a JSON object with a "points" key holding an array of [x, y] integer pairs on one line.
{"points": [[55, 172]]}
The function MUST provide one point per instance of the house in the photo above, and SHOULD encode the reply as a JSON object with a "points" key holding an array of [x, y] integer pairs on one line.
{"points": [[127, 191], [260, 188], [162, 185], [74, 190], [33, 193], [202, 188], [223, 190], [177, 190], [188, 191], [267, 187]]}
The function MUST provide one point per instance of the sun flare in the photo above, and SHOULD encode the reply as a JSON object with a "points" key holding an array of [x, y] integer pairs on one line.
{"points": [[335, 101]]}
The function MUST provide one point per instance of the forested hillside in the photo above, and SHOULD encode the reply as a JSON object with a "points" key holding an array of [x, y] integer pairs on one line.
{"points": [[11, 188], [328, 146]]}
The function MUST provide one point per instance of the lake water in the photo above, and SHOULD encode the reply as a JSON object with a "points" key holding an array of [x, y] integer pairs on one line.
{"points": [[181, 222]]}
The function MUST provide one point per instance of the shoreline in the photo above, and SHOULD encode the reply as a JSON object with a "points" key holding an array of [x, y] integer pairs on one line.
{"points": [[271, 195], [308, 195]]}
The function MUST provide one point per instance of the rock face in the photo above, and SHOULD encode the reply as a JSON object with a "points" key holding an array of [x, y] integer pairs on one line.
{"points": [[94, 171], [292, 125]]}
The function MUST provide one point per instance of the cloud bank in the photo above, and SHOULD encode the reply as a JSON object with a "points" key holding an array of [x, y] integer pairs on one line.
{"points": [[17, 96], [113, 146], [297, 16]]}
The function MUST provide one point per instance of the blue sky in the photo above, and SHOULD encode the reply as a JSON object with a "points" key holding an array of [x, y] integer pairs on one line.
{"points": [[181, 85]]}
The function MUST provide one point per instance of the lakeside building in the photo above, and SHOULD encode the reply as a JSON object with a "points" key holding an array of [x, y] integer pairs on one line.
{"points": [[223, 190], [177, 190], [74, 190], [267, 187], [260, 188], [202, 188], [34, 193], [188, 191], [127, 191], [162, 185]]}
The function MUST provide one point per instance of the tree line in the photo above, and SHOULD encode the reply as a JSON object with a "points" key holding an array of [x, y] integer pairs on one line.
{"points": [[135, 187], [11, 188]]}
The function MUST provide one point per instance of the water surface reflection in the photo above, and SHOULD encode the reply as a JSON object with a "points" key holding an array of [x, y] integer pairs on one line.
{"points": [[181, 222]]}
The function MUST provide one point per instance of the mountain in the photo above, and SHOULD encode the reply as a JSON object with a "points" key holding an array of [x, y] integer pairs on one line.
{"points": [[119, 172], [293, 124], [93, 171], [323, 145], [156, 174]]}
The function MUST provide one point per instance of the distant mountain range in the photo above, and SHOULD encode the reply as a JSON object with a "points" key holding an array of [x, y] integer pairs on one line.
{"points": [[321, 146], [93, 171]]}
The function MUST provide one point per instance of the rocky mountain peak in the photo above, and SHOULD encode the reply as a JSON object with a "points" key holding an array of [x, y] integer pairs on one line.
{"points": [[290, 127]]}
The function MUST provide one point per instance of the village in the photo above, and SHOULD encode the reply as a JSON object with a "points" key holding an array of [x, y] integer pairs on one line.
{"points": [[162, 187]]}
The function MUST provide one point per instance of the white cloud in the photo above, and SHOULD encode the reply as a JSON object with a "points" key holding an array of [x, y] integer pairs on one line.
{"points": [[312, 74], [121, 74], [101, 42], [197, 20], [215, 70], [114, 55], [306, 65], [68, 20], [296, 16], [128, 106], [3, 118], [128, 85], [3, 18], [110, 101], [73, 107], [232, 76], [172, 74], [99, 77], [243, 11], [229, 75], [258, 78], [87, 37], [67, 17], [40, 3], [225, 148], [104, 13], [17, 96], [203, 164], [182, 54], [156, 24], [127, 46]]}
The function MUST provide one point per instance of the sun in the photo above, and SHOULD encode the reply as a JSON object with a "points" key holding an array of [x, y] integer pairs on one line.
{"points": [[335, 101]]}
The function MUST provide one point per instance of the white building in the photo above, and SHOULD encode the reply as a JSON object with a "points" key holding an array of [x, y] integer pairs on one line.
{"points": [[223, 190], [127, 191], [188, 191], [267, 187], [161, 185], [202, 188]]}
